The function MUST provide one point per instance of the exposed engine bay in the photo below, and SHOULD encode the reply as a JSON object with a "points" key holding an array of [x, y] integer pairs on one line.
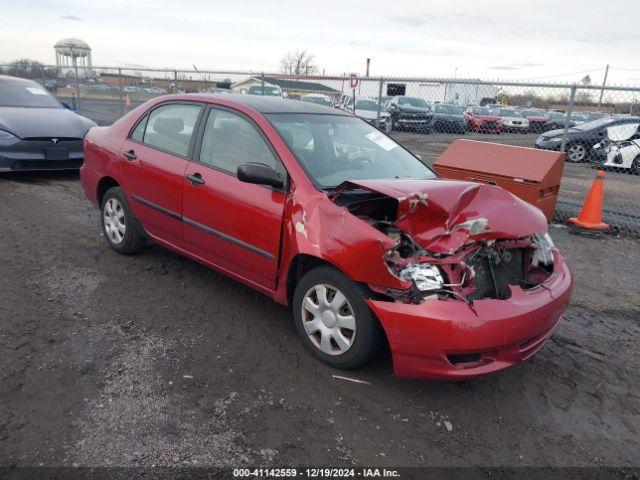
{"points": [[480, 265]]}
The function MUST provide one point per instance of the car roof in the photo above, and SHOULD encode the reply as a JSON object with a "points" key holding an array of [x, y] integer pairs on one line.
{"points": [[9, 79], [267, 104]]}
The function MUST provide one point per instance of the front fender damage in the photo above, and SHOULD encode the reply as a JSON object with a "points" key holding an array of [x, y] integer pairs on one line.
{"points": [[322, 229], [480, 237]]}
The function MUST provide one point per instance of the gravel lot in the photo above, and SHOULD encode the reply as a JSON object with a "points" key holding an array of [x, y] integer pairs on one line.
{"points": [[154, 359]]}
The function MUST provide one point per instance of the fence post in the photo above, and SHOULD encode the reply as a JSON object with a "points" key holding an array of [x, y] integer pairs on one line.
{"points": [[567, 118], [262, 83], [175, 81], [75, 67], [380, 85], [121, 92]]}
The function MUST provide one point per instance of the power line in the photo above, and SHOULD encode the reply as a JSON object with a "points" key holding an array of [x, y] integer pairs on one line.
{"points": [[626, 69], [565, 74]]}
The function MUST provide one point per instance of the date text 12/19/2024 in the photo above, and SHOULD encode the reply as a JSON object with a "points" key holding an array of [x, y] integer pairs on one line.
{"points": [[315, 473]]}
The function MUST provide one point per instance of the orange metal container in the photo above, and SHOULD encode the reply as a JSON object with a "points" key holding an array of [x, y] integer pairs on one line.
{"points": [[531, 174]]}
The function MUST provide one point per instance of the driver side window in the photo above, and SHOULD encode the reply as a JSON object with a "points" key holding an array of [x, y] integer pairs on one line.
{"points": [[230, 140]]}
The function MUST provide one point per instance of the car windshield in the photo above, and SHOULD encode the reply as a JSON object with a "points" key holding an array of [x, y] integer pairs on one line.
{"points": [[367, 105], [601, 122], [481, 111], [413, 102], [25, 94], [336, 148], [266, 90], [508, 112], [450, 109]]}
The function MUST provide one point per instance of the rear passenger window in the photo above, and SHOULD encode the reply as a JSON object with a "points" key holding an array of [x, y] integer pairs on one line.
{"points": [[138, 132], [170, 128], [229, 140]]}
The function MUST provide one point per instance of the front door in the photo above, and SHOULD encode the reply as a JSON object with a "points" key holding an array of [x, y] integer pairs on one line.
{"points": [[232, 224], [157, 154]]}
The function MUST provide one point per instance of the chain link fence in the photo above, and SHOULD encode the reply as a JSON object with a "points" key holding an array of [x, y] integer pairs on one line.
{"points": [[596, 126]]}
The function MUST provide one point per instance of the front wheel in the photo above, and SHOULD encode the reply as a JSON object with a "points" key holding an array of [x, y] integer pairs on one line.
{"points": [[635, 165], [121, 229], [334, 321], [576, 152]]}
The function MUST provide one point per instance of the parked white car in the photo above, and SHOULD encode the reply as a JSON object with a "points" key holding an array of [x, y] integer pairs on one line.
{"points": [[625, 155], [155, 90], [621, 149], [512, 120], [318, 99], [367, 109]]}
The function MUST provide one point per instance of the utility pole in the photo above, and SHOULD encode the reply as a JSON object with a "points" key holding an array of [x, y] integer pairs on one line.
{"points": [[604, 82], [368, 65], [567, 118], [446, 85]]}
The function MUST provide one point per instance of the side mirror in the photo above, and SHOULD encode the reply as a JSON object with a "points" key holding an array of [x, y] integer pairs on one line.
{"points": [[260, 174]]}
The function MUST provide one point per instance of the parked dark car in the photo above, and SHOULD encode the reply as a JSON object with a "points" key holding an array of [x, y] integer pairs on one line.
{"points": [[449, 118], [581, 138], [36, 131], [410, 113], [556, 120]]}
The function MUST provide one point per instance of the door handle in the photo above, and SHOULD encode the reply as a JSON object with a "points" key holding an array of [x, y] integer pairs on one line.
{"points": [[195, 179], [130, 154]]}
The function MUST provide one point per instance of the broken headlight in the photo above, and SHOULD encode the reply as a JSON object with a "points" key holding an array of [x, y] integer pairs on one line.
{"points": [[543, 254], [426, 277]]}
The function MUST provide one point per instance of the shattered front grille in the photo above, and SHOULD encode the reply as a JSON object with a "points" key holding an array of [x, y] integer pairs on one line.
{"points": [[494, 271]]}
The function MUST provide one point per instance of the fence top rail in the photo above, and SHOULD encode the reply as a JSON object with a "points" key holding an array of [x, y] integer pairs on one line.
{"points": [[344, 77]]}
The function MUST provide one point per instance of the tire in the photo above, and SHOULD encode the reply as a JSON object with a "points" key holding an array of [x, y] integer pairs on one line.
{"points": [[122, 231], [576, 152], [635, 165], [347, 347]]}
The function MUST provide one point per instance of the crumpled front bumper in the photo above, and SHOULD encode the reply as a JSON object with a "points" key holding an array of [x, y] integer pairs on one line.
{"points": [[448, 340]]}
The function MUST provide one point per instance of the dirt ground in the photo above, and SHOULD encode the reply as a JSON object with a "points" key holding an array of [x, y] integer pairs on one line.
{"points": [[154, 359]]}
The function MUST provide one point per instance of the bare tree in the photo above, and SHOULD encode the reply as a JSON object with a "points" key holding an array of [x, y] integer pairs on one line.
{"points": [[27, 68], [299, 62]]}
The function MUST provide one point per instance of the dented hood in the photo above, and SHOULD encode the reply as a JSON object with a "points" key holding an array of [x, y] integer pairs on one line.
{"points": [[444, 215]]}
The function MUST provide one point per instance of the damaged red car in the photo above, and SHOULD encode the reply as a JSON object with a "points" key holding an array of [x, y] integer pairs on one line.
{"points": [[321, 211], [482, 120]]}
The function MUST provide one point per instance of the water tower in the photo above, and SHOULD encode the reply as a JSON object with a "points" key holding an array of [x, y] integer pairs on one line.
{"points": [[72, 52]]}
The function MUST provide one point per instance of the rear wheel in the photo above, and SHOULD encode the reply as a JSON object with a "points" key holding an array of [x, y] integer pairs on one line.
{"points": [[334, 321], [576, 152], [121, 229]]}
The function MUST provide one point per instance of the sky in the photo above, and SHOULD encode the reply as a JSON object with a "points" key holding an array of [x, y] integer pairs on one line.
{"points": [[541, 40]]}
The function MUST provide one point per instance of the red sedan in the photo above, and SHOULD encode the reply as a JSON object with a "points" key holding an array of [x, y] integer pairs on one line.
{"points": [[481, 119], [321, 211]]}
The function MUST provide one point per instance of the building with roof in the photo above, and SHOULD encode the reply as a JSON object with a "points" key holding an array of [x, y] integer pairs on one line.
{"points": [[292, 87]]}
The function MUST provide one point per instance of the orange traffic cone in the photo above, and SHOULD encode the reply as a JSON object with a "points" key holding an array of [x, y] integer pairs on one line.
{"points": [[127, 100], [590, 217]]}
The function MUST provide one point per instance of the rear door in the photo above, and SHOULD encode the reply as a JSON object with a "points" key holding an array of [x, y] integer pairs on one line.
{"points": [[157, 154], [232, 224]]}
